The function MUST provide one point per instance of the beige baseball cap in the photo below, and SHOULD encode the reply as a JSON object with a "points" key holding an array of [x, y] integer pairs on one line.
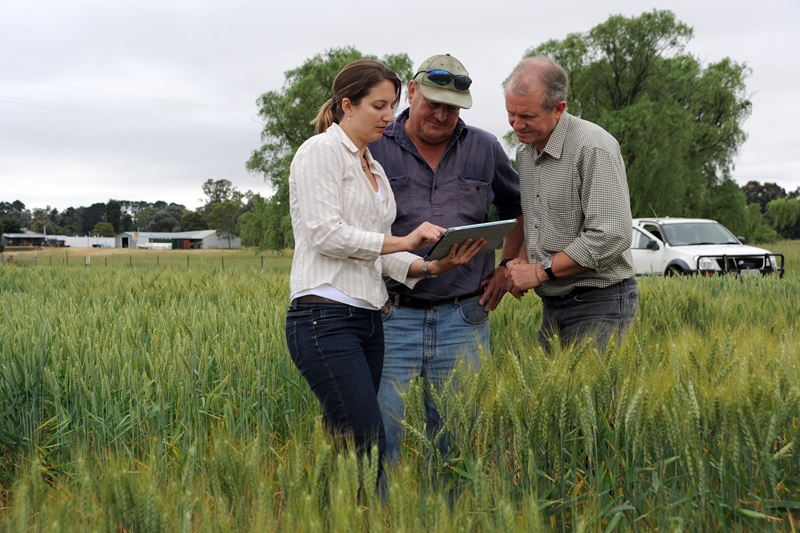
{"points": [[443, 79]]}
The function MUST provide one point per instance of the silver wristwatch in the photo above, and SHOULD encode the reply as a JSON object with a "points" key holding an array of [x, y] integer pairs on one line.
{"points": [[425, 272]]}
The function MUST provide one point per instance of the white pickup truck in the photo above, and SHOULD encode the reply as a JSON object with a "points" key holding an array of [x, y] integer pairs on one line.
{"points": [[684, 246]]}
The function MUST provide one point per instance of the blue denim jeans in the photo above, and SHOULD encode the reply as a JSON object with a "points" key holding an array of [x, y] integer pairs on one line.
{"points": [[596, 313], [426, 343], [339, 351]]}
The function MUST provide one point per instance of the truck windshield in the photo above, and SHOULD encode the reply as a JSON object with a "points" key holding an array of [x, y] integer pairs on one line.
{"points": [[695, 233]]}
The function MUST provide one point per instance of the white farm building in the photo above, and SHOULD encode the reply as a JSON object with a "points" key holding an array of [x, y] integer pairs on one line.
{"points": [[183, 240]]}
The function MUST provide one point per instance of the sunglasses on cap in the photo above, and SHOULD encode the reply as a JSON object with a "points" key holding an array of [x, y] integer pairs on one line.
{"points": [[443, 77]]}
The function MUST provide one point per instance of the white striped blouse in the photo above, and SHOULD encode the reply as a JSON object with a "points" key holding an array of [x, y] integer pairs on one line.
{"points": [[339, 222]]}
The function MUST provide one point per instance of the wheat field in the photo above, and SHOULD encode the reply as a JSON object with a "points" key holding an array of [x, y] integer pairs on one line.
{"points": [[146, 391]]}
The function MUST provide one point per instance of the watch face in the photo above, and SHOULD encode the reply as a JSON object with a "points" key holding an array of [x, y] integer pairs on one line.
{"points": [[547, 262]]}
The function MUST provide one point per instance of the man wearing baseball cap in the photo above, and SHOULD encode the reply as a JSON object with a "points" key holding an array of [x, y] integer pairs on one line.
{"points": [[448, 173]]}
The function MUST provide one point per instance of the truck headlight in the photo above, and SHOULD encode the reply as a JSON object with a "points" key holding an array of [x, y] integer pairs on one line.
{"points": [[706, 263]]}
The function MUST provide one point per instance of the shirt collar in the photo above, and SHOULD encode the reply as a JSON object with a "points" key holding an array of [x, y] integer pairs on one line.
{"points": [[555, 144], [338, 133]]}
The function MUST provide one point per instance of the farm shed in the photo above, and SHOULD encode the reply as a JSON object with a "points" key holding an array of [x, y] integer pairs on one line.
{"points": [[183, 240], [30, 240]]}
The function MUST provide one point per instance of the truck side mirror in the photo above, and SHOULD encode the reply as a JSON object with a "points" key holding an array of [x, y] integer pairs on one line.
{"points": [[652, 244]]}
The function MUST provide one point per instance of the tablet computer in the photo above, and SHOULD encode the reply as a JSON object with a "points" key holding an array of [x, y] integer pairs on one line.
{"points": [[493, 232]]}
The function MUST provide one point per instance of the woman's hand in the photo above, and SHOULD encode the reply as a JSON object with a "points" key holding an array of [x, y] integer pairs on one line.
{"points": [[426, 234]]}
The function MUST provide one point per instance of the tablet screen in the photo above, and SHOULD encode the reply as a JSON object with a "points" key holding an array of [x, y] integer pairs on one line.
{"points": [[493, 232]]}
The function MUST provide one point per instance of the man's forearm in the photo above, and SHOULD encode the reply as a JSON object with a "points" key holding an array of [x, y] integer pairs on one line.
{"points": [[512, 244]]}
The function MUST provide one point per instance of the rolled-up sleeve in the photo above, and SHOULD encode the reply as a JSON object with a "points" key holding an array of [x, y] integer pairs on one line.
{"points": [[604, 198]]}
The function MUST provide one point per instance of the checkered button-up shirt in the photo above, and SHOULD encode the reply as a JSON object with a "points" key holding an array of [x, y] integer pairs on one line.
{"points": [[575, 199]]}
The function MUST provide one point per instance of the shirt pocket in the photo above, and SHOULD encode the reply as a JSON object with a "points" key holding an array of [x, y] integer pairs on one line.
{"points": [[473, 199], [560, 227], [401, 189]]}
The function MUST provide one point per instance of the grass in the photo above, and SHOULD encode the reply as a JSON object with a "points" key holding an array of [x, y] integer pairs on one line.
{"points": [[150, 395]]}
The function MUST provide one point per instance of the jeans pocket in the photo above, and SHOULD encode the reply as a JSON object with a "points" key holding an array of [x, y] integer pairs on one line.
{"points": [[631, 304], [603, 305], [291, 339], [472, 313], [331, 314], [387, 311]]}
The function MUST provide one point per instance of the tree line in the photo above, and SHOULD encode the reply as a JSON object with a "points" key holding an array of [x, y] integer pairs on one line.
{"points": [[223, 206], [771, 213]]}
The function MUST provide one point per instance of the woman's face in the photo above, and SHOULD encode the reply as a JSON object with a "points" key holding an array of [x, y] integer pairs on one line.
{"points": [[365, 122]]}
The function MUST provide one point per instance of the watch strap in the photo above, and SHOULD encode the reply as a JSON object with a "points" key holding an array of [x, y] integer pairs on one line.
{"points": [[425, 272]]}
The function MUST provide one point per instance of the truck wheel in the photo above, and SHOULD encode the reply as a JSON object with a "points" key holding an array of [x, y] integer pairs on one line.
{"points": [[674, 270]]}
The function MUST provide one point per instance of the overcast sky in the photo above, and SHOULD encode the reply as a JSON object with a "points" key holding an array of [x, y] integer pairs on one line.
{"points": [[146, 100]]}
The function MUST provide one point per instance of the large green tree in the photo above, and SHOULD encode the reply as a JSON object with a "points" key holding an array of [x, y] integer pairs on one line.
{"points": [[263, 226], [71, 221], [92, 215], [223, 217], [114, 215], [193, 221], [762, 193], [287, 116], [160, 217], [219, 191], [678, 123], [223, 207], [103, 229], [783, 213], [45, 225], [15, 210], [10, 225]]}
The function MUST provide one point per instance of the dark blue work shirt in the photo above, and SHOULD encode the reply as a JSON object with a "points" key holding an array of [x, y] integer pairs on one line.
{"points": [[474, 173]]}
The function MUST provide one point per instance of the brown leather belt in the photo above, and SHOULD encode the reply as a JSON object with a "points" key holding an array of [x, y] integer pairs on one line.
{"points": [[418, 303], [314, 299]]}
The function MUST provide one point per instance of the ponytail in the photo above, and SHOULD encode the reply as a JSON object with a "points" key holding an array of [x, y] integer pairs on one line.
{"points": [[325, 117]]}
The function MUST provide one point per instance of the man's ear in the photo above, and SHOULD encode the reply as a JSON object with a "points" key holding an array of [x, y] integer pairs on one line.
{"points": [[412, 88], [561, 106]]}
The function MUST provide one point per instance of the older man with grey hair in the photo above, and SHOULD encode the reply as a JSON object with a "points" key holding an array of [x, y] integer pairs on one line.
{"points": [[577, 213]]}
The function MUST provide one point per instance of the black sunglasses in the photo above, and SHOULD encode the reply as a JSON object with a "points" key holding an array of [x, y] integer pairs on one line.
{"points": [[442, 77]]}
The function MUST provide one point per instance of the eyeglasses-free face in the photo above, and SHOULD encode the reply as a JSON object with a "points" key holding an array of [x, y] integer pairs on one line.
{"points": [[443, 77]]}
